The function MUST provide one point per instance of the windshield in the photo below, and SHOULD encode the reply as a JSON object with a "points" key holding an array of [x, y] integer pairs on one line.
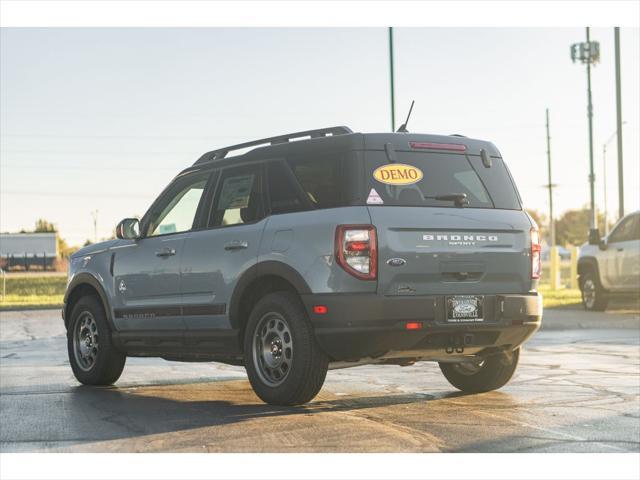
{"points": [[418, 179]]}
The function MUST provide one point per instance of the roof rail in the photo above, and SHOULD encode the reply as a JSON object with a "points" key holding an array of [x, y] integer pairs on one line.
{"points": [[320, 132]]}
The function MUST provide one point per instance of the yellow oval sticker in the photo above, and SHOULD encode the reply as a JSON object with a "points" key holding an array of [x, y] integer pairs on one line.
{"points": [[397, 174]]}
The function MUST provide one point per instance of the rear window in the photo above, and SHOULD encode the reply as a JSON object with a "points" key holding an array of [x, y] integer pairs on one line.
{"points": [[437, 174]]}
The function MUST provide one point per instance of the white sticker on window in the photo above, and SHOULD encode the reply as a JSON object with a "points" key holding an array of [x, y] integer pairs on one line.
{"points": [[236, 192], [167, 228], [374, 198]]}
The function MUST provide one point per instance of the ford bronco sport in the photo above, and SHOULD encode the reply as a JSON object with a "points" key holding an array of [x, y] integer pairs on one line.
{"points": [[317, 250]]}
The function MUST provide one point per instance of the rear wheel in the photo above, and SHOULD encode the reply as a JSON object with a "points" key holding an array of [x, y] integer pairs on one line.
{"points": [[93, 358], [283, 360], [594, 297], [482, 375]]}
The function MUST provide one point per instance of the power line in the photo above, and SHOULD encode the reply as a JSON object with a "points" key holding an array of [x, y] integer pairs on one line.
{"points": [[63, 194], [134, 137], [97, 152], [85, 167]]}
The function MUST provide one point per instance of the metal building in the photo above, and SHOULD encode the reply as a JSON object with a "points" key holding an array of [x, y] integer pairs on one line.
{"points": [[28, 250]]}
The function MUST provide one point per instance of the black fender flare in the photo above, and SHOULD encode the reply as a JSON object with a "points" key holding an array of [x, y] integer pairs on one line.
{"points": [[589, 263], [263, 269], [85, 278]]}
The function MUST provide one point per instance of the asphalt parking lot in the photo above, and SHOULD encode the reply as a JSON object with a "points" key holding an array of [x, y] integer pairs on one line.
{"points": [[577, 390]]}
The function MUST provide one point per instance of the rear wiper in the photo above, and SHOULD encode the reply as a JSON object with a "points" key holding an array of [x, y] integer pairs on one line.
{"points": [[459, 199]]}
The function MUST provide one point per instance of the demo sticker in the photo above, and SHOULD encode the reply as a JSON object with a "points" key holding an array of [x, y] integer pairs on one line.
{"points": [[397, 174]]}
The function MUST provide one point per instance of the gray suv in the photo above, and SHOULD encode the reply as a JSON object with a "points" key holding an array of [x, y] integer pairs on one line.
{"points": [[316, 250]]}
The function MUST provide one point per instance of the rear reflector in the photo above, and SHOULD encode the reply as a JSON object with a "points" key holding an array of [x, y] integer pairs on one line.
{"points": [[320, 309], [438, 146], [413, 325]]}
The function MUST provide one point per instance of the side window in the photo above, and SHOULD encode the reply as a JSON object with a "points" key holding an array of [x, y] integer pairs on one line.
{"points": [[239, 197], [321, 180], [283, 193], [627, 230], [176, 211], [635, 229]]}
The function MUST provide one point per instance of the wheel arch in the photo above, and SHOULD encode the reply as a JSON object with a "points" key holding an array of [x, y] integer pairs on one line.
{"points": [[259, 280], [81, 285], [588, 264]]}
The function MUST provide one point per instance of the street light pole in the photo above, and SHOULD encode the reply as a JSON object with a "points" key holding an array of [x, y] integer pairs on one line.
{"points": [[393, 95], [616, 31], [615, 134], [94, 215]]}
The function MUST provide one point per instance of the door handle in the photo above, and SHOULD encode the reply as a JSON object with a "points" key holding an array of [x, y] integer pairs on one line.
{"points": [[166, 252], [236, 245]]}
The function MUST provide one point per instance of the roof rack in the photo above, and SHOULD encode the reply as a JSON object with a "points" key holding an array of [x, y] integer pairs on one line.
{"points": [[318, 133]]}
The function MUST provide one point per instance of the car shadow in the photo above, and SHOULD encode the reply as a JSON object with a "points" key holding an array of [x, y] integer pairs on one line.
{"points": [[109, 413]]}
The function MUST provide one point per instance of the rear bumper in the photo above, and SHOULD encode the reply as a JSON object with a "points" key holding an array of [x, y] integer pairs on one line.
{"points": [[358, 326]]}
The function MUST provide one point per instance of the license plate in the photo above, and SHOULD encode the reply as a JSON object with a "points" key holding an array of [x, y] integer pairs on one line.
{"points": [[465, 308]]}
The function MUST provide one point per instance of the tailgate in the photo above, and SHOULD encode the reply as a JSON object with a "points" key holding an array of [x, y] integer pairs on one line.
{"points": [[431, 250]]}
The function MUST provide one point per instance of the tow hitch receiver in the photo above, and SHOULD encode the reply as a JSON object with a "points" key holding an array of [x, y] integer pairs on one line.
{"points": [[457, 343]]}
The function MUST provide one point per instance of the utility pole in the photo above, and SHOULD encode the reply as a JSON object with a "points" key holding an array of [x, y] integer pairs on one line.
{"points": [[589, 53], [553, 250], [592, 176], [94, 215], [550, 186], [616, 32], [604, 184], [393, 95]]}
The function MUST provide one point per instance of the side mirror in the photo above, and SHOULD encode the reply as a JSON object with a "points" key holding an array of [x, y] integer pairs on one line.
{"points": [[594, 237], [128, 229], [602, 245]]}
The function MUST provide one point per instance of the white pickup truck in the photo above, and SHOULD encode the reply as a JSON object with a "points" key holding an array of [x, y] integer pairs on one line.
{"points": [[610, 266]]}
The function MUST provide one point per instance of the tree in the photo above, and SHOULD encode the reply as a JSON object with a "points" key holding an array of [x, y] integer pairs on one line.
{"points": [[64, 249], [572, 228], [542, 221], [43, 226]]}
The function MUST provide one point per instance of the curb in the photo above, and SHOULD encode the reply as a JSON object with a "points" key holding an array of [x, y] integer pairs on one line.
{"points": [[18, 308]]}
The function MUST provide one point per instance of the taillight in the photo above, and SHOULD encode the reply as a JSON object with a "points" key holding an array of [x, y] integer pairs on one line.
{"points": [[536, 247], [357, 250]]}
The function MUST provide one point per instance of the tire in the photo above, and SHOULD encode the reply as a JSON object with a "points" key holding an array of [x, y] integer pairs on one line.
{"points": [[93, 358], [284, 363], [491, 374], [594, 298]]}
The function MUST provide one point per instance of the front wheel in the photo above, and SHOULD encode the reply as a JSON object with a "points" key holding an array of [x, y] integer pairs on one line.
{"points": [[593, 295], [93, 358], [283, 360], [482, 375]]}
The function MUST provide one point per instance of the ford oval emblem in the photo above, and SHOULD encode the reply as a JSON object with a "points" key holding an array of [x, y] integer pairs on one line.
{"points": [[464, 308], [396, 262]]}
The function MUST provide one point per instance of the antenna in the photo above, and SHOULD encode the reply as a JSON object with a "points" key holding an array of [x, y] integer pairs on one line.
{"points": [[403, 127]]}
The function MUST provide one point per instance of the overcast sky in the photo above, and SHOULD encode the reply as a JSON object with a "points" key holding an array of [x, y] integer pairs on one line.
{"points": [[102, 119]]}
